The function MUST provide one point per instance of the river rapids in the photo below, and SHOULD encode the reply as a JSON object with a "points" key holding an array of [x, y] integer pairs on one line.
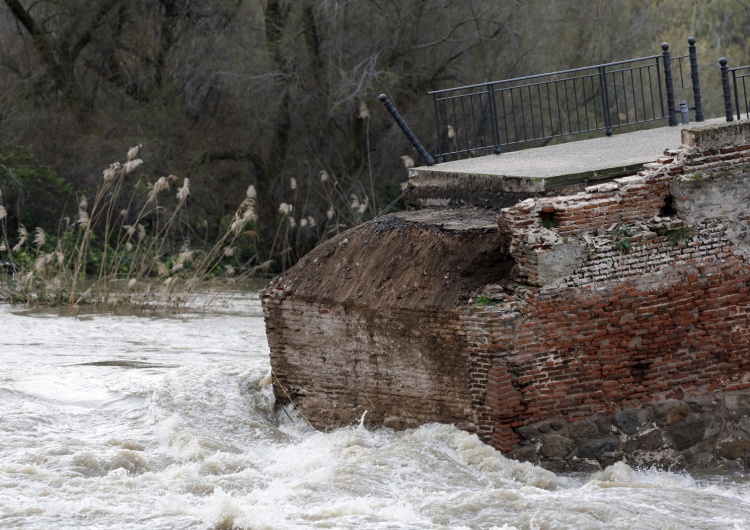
{"points": [[162, 423]]}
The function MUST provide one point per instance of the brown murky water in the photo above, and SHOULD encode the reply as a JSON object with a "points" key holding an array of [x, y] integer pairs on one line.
{"points": [[123, 422]]}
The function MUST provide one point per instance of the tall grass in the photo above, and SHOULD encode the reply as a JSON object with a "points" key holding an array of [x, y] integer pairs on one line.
{"points": [[132, 247], [120, 259]]}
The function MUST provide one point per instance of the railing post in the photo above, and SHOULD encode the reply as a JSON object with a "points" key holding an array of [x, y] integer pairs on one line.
{"points": [[668, 84], [695, 78], [605, 100], [493, 117], [407, 131], [727, 90]]}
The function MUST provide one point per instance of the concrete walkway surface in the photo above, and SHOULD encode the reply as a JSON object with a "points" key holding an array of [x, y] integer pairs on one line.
{"points": [[597, 157]]}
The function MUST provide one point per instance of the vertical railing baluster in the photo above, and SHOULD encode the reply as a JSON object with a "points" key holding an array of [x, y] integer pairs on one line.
{"points": [[575, 97], [493, 117], [505, 117], [523, 113], [695, 78], [736, 94], [643, 94], [726, 89], [635, 100], [549, 111], [567, 105], [559, 111], [466, 129], [455, 126], [668, 84], [513, 107], [661, 91], [477, 128], [437, 126], [605, 100], [585, 103], [531, 111], [541, 109]]}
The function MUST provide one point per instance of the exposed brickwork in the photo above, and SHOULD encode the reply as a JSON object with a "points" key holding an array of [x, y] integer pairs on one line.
{"points": [[630, 323], [404, 367], [625, 295]]}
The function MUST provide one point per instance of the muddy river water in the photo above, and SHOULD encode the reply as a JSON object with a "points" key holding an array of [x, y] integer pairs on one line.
{"points": [[168, 422]]}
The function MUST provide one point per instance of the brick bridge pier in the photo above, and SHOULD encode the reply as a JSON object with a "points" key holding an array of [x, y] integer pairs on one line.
{"points": [[573, 305]]}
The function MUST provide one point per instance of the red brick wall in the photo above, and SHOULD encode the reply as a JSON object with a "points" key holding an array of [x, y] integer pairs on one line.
{"points": [[404, 367], [666, 316]]}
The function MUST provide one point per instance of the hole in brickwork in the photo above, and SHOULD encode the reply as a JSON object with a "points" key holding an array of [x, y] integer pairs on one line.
{"points": [[548, 217], [639, 370], [668, 209]]}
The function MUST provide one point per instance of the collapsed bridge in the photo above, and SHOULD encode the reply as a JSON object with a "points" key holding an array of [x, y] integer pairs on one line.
{"points": [[610, 322]]}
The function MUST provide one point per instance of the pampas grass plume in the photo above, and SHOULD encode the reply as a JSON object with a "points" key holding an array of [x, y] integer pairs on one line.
{"points": [[133, 152], [40, 237], [363, 112], [184, 191], [130, 165], [110, 173], [83, 218]]}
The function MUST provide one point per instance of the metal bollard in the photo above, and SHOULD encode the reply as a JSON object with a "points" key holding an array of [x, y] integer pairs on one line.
{"points": [[684, 112]]}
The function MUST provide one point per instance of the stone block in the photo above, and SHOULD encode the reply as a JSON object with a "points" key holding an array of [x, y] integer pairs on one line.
{"points": [[555, 446], [669, 412], [630, 421], [583, 430], [598, 446], [688, 433]]}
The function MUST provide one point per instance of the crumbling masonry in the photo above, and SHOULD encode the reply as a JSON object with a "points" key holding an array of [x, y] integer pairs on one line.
{"points": [[572, 331]]}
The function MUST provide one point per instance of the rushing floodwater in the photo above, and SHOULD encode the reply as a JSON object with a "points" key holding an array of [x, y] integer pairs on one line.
{"points": [[123, 422]]}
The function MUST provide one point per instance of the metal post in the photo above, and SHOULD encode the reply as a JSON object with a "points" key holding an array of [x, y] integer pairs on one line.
{"points": [[493, 117], [605, 100], [727, 90], [695, 78], [668, 83], [684, 114], [407, 131]]}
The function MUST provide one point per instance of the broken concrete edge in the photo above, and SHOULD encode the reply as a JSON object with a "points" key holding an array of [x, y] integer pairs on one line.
{"points": [[425, 178], [717, 135], [541, 227]]}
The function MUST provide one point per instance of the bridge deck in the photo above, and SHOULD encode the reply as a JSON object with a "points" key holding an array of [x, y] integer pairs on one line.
{"points": [[543, 169]]}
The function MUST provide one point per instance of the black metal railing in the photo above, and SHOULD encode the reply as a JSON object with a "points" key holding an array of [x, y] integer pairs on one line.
{"points": [[739, 84], [478, 119]]}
